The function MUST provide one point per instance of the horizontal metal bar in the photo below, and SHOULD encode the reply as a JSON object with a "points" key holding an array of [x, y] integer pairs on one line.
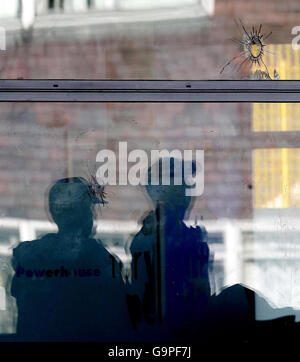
{"points": [[148, 91], [154, 85], [148, 97]]}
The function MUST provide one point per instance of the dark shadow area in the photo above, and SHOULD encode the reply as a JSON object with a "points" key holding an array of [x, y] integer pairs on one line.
{"points": [[64, 284], [69, 288], [170, 286], [169, 296]]}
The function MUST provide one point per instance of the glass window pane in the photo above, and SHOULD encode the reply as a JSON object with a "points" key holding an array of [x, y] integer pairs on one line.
{"points": [[130, 39], [242, 192]]}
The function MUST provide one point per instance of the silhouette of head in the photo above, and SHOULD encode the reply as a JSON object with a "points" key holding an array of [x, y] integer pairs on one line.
{"points": [[71, 205], [173, 195]]}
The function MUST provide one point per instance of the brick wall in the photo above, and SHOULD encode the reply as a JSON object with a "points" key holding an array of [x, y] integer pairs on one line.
{"points": [[36, 148]]}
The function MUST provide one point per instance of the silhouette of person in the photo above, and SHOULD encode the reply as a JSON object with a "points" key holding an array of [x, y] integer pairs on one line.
{"points": [[169, 295], [64, 284], [169, 271]]}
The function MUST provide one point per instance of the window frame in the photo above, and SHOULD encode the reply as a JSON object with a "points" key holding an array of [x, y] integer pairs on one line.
{"points": [[163, 91]]}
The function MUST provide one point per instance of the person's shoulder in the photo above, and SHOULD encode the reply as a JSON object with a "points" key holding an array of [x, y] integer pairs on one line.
{"points": [[27, 249], [145, 239], [96, 251], [27, 252], [142, 243], [95, 244], [196, 242], [196, 233]]}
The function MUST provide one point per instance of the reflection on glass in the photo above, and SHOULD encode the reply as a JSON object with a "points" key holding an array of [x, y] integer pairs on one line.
{"points": [[139, 39], [247, 213]]}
